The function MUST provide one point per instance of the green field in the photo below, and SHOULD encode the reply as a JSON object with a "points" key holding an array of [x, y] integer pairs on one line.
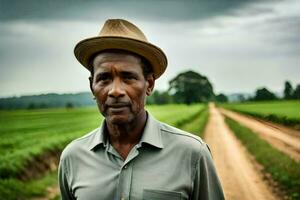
{"points": [[281, 167], [28, 134], [283, 112]]}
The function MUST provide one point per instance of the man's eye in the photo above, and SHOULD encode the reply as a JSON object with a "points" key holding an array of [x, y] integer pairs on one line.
{"points": [[130, 77], [103, 78]]}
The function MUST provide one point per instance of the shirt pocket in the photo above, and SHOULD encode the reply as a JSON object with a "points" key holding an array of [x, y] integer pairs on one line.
{"points": [[160, 195]]}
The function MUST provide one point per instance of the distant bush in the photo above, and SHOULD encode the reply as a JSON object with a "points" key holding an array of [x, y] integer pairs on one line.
{"points": [[263, 94], [69, 105]]}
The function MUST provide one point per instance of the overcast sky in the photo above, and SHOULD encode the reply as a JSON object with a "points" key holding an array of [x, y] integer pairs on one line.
{"points": [[240, 45]]}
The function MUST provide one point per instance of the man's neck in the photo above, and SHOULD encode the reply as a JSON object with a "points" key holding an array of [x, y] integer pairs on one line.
{"points": [[124, 137]]}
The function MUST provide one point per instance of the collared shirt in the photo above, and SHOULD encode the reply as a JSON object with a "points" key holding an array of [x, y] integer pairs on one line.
{"points": [[167, 163]]}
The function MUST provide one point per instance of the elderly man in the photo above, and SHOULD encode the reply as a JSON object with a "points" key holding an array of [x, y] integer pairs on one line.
{"points": [[132, 155]]}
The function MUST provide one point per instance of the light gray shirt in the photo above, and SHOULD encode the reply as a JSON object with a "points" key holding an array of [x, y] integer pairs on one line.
{"points": [[167, 163]]}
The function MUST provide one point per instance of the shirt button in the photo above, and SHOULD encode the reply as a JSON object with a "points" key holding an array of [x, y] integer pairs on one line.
{"points": [[122, 198], [125, 167]]}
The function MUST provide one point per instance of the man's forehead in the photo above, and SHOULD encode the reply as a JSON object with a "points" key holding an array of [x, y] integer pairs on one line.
{"points": [[105, 57]]}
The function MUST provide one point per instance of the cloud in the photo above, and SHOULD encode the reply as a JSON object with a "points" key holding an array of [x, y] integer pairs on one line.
{"points": [[239, 45], [162, 10]]}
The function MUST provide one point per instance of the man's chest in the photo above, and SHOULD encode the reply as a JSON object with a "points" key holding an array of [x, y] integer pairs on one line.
{"points": [[146, 176]]}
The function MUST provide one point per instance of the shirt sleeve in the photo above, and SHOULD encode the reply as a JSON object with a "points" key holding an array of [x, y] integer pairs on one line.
{"points": [[65, 191], [207, 185]]}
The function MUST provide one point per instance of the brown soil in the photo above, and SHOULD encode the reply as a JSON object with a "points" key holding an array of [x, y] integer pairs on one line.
{"points": [[238, 172], [37, 167], [52, 192], [282, 138]]}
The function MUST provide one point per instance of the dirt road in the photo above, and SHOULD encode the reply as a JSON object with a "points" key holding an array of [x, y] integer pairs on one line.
{"points": [[283, 139], [239, 174]]}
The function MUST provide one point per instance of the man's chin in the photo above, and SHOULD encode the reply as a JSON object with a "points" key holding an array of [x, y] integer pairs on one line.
{"points": [[118, 119]]}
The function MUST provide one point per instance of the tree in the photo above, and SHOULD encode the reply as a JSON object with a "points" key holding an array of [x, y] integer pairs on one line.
{"points": [[190, 87], [296, 94], [221, 98], [31, 106], [288, 90], [241, 98], [162, 97], [69, 105], [159, 97], [264, 94]]}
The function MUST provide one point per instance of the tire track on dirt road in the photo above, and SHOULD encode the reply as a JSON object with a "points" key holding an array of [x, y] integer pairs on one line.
{"points": [[239, 175], [280, 138]]}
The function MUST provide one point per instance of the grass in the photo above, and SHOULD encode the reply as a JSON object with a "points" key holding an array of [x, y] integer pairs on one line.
{"points": [[197, 125], [282, 168], [282, 112], [27, 134], [15, 189], [176, 114]]}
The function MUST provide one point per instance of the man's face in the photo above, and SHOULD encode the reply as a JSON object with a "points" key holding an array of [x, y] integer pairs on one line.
{"points": [[120, 87]]}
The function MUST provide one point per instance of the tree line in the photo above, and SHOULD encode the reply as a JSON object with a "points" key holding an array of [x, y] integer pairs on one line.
{"points": [[187, 87], [289, 93], [191, 87], [50, 100]]}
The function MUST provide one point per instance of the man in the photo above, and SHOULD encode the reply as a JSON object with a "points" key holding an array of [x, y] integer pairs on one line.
{"points": [[132, 155]]}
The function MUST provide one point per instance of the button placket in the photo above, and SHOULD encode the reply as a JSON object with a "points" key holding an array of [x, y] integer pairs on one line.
{"points": [[125, 181], [125, 177]]}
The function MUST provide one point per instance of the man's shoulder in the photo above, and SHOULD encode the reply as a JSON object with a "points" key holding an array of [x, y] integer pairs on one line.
{"points": [[80, 144], [181, 137]]}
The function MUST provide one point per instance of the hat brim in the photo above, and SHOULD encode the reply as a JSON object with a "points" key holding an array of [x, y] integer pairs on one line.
{"points": [[88, 48]]}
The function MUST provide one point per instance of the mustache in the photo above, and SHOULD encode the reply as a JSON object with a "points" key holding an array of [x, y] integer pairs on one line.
{"points": [[117, 104]]}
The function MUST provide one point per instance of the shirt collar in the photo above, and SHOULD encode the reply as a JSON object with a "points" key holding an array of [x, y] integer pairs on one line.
{"points": [[151, 134], [99, 137]]}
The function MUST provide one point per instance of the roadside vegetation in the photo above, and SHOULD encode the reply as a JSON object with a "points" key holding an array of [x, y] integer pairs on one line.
{"points": [[176, 114], [282, 168], [197, 125], [282, 112], [27, 134]]}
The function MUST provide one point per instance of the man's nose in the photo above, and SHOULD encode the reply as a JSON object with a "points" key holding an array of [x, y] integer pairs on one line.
{"points": [[117, 89]]}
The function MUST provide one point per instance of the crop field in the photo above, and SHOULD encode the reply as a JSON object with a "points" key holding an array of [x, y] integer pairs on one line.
{"points": [[283, 112], [26, 135]]}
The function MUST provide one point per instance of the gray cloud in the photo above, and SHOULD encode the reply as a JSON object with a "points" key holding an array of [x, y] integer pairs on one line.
{"points": [[165, 10], [239, 45]]}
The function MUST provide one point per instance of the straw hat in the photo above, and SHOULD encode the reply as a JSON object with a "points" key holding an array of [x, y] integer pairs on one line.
{"points": [[123, 35]]}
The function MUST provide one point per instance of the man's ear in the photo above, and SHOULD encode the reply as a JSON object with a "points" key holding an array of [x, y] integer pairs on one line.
{"points": [[150, 84], [91, 84]]}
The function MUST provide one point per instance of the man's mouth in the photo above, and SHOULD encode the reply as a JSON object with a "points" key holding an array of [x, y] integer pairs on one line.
{"points": [[117, 108], [118, 105]]}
